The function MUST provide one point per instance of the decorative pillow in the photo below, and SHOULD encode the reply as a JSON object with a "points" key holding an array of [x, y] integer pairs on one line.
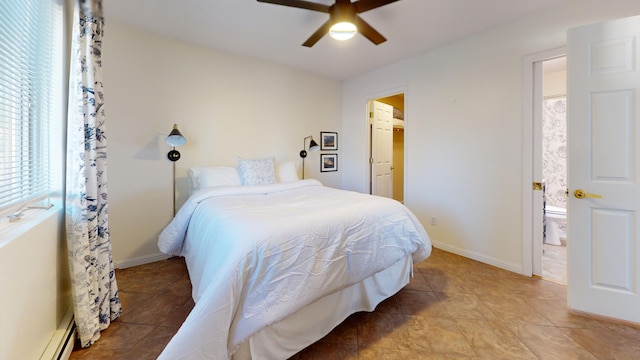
{"points": [[202, 177], [257, 171], [287, 171]]}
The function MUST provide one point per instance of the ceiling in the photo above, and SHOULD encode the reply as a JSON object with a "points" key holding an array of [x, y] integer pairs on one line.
{"points": [[275, 33]]}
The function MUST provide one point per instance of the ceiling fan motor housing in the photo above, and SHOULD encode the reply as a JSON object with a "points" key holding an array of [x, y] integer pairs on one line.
{"points": [[342, 11]]}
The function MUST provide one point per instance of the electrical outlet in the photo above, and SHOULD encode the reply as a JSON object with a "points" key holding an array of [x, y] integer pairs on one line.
{"points": [[434, 221]]}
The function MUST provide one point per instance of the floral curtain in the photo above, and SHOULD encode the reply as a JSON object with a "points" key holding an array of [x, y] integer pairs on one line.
{"points": [[94, 288]]}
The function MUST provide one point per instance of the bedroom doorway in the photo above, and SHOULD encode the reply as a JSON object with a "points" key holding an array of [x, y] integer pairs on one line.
{"points": [[386, 151]]}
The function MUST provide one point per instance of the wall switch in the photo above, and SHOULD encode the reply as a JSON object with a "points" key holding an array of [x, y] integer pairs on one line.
{"points": [[434, 221]]}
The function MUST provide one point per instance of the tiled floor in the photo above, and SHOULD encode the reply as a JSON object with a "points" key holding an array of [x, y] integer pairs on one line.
{"points": [[454, 308], [554, 263]]}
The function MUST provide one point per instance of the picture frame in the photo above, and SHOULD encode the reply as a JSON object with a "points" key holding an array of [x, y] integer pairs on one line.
{"points": [[328, 140], [328, 162]]}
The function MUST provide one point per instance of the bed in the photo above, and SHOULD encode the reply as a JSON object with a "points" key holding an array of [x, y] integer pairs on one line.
{"points": [[276, 266]]}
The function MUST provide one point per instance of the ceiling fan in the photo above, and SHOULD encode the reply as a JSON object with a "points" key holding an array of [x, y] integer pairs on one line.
{"points": [[343, 22]]}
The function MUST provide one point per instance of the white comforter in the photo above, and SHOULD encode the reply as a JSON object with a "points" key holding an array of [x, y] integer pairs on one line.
{"points": [[258, 254]]}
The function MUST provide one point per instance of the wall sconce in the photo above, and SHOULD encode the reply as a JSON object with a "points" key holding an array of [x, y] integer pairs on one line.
{"points": [[174, 140], [313, 146]]}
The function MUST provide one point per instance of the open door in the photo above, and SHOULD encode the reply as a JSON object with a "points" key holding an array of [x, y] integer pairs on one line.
{"points": [[604, 169], [382, 149]]}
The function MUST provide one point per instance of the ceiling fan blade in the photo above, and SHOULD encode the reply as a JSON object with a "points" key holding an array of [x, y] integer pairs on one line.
{"points": [[300, 4], [366, 5], [368, 31], [313, 39]]}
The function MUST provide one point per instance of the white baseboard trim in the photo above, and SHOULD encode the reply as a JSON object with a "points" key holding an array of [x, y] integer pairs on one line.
{"points": [[479, 257], [63, 339], [123, 264], [65, 354]]}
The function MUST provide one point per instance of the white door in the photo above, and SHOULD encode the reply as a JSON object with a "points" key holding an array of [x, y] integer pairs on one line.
{"points": [[604, 160], [382, 149]]}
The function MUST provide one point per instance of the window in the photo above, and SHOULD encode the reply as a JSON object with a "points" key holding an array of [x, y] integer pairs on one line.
{"points": [[31, 90]]}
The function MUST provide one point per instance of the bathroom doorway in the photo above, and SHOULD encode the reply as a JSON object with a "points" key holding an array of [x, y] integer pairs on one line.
{"points": [[554, 169]]}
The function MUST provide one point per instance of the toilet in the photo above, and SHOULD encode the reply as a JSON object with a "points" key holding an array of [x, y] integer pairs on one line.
{"points": [[553, 216]]}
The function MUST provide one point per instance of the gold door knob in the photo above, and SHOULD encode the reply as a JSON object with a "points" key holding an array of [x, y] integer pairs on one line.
{"points": [[581, 194]]}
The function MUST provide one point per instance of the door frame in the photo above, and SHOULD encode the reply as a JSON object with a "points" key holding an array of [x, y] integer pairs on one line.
{"points": [[532, 158], [368, 99]]}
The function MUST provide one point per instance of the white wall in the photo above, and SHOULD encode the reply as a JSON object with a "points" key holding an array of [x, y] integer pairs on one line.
{"points": [[554, 84], [464, 129], [34, 278], [225, 105], [35, 285]]}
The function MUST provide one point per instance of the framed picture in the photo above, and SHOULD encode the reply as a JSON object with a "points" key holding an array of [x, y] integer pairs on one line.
{"points": [[328, 140], [328, 162]]}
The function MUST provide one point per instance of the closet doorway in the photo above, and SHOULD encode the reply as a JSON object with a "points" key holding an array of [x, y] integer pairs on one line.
{"points": [[386, 150]]}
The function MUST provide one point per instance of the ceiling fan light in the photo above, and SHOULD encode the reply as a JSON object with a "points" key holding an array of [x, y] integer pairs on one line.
{"points": [[343, 31]]}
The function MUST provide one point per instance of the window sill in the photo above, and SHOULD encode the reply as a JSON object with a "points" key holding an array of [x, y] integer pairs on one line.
{"points": [[9, 231]]}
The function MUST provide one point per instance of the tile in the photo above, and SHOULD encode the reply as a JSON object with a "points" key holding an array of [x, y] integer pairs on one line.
{"points": [[114, 341], [373, 353], [151, 345], [381, 330], [513, 309], [445, 282], [454, 308], [554, 263], [493, 340], [121, 335], [604, 344], [480, 284], [144, 280], [175, 265], [181, 286], [542, 289], [465, 306], [413, 302], [162, 309], [548, 342], [329, 351], [131, 300], [501, 274], [529, 288], [93, 354], [559, 314], [437, 335], [418, 282], [629, 331]]}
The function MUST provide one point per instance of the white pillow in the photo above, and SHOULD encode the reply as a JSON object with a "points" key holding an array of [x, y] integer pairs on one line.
{"points": [[257, 171], [287, 171], [202, 177]]}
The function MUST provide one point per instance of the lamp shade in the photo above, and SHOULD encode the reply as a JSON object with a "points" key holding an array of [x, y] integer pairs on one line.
{"points": [[175, 137], [313, 145]]}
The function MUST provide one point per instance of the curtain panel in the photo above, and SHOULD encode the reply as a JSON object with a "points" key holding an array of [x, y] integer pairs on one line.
{"points": [[94, 288]]}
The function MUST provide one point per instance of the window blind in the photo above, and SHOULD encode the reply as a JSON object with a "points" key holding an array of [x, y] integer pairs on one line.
{"points": [[30, 98]]}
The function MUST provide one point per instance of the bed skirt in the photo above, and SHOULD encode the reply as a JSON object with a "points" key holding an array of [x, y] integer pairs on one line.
{"points": [[310, 324]]}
